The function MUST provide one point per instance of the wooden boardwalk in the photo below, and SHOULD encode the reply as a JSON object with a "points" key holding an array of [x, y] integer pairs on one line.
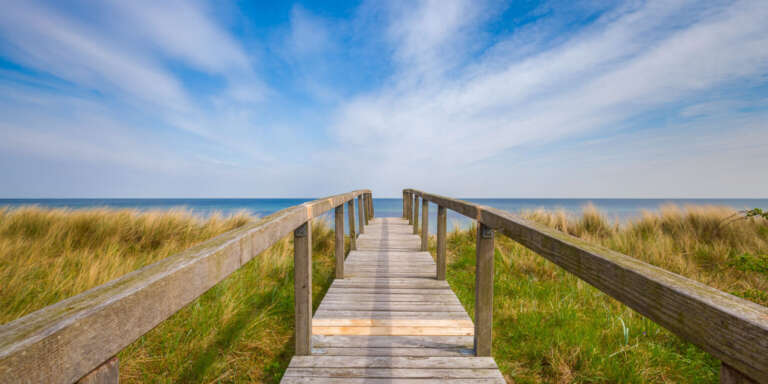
{"points": [[390, 321]]}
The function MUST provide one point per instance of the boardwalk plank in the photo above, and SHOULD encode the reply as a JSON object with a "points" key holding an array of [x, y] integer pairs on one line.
{"points": [[390, 321]]}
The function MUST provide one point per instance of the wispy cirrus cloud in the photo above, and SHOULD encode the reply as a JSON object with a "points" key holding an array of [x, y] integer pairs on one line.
{"points": [[477, 98]]}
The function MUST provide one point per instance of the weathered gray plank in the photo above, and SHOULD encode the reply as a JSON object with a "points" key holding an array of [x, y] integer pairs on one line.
{"points": [[334, 351], [107, 373], [63, 342], [465, 362], [388, 380], [426, 373], [334, 314]]}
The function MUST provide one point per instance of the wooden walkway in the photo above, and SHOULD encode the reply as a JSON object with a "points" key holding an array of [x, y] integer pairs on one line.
{"points": [[390, 321]]}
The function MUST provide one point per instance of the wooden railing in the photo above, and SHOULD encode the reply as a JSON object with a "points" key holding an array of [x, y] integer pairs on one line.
{"points": [[730, 328], [76, 340]]}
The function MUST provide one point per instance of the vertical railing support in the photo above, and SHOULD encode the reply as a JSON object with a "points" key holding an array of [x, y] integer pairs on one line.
{"points": [[360, 214], [370, 202], [415, 215], [405, 209], [339, 234], [302, 285], [106, 373], [441, 242], [409, 205], [729, 375], [366, 212], [352, 235], [424, 224], [484, 291]]}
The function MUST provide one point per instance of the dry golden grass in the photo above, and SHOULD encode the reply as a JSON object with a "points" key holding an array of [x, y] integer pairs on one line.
{"points": [[711, 244], [239, 331], [47, 255]]}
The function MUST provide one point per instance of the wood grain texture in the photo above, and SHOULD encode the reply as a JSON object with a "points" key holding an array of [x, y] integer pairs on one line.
{"points": [[732, 329], [302, 286], [360, 214], [390, 320], [338, 228], [424, 225], [63, 342], [352, 235], [484, 290], [441, 243], [415, 215], [107, 373]]}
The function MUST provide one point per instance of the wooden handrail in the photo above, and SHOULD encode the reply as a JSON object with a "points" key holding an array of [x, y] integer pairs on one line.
{"points": [[732, 329], [64, 342]]}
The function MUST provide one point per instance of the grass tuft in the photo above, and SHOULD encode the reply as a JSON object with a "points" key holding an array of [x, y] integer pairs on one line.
{"points": [[551, 327]]}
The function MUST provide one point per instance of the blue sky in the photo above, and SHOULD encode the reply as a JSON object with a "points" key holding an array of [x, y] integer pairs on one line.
{"points": [[466, 98]]}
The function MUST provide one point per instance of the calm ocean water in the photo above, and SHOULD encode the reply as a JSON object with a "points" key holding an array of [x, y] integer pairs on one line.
{"points": [[616, 209]]}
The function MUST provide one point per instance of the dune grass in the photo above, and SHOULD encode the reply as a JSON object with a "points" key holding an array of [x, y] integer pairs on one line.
{"points": [[240, 331], [549, 326]]}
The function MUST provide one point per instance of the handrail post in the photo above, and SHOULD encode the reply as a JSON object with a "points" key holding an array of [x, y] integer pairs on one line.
{"points": [[441, 242], [106, 373], [405, 210], [339, 234], [352, 236], [366, 212], [302, 285], [729, 375], [409, 205], [360, 214], [370, 201], [424, 224], [484, 290], [415, 215]]}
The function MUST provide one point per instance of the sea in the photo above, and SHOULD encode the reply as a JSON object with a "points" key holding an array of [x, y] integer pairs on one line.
{"points": [[619, 210]]}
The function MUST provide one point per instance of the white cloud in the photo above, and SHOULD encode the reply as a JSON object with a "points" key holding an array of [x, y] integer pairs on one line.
{"points": [[627, 64]]}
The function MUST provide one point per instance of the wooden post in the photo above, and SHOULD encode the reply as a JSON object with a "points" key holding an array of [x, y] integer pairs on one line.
{"points": [[302, 285], [729, 375], [360, 214], [405, 209], [366, 213], [424, 224], [484, 291], [408, 202], [106, 373], [339, 232], [441, 242], [415, 215], [352, 236], [371, 202]]}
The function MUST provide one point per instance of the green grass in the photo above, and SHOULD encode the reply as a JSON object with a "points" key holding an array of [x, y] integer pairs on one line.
{"points": [[240, 331], [549, 326]]}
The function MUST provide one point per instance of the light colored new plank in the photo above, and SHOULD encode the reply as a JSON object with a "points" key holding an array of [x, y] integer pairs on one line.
{"points": [[322, 341], [334, 351], [393, 331], [360, 322], [392, 362], [335, 314]]}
